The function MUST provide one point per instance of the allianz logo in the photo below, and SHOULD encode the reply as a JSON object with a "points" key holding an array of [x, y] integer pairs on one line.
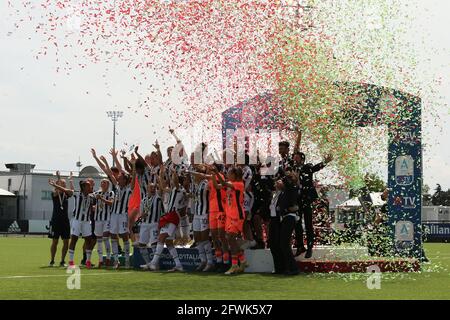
{"points": [[14, 227]]}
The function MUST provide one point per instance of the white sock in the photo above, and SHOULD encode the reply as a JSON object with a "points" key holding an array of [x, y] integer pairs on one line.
{"points": [[107, 247], [208, 251], [184, 225], [178, 232], [88, 255], [173, 252], [144, 254], [159, 250], [100, 249], [201, 251], [71, 254], [115, 249], [126, 250]]}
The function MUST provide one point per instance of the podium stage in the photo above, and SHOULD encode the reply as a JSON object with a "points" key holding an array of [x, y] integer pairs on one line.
{"points": [[325, 259]]}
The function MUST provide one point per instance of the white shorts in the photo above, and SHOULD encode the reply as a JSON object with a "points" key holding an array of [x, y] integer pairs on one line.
{"points": [[102, 227], [82, 228], [169, 229], [119, 223], [149, 233], [200, 223]]}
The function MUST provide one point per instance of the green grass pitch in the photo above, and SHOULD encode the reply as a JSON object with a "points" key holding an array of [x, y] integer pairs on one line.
{"points": [[24, 275]]}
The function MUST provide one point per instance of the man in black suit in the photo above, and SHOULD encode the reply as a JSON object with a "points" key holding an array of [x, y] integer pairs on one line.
{"points": [[307, 196], [283, 212]]}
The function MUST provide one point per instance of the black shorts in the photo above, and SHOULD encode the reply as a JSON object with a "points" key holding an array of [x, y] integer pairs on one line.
{"points": [[137, 226], [59, 229], [262, 209]]}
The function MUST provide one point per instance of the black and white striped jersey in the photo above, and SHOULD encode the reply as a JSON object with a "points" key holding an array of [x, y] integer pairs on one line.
{"points": [[83, 206], [153, 174], [249, 199], [178, 199], [191, 201], [201, 198], [247, 176], [168, 167], [102, 210], [152, 208], [121, 198]]}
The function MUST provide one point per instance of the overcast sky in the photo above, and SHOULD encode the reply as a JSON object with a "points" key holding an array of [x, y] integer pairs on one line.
{"points": [[50, 119]]}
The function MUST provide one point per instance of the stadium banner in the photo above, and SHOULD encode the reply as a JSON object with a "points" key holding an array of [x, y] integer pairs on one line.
{"points": [[189, 259], [261, 261], [437, 232], [436, 223], [13, 226], [405, 177]]}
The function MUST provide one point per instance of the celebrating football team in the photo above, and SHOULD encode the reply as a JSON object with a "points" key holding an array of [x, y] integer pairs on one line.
{"points": [[206, 201]]}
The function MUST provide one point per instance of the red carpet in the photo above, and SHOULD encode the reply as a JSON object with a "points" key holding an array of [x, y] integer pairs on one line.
{"points": [[406, 265]]}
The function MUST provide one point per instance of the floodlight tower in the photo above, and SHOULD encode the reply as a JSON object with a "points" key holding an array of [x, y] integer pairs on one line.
{"points": [[114, 115]]}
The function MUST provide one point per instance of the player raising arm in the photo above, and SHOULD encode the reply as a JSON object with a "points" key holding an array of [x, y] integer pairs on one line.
{"points": [[81, 224], [119, 219], [200, 223], [102, 219], [234, 217], [151, 211]]}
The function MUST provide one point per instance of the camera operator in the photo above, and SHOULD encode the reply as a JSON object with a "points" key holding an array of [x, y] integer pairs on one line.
{"points": [[306, 198]]}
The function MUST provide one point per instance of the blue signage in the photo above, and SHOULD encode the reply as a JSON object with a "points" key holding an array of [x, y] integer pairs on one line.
{"points": [[189, 259], [436, 231]]}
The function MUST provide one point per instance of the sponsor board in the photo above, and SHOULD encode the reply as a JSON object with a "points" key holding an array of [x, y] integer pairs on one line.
{"points": [[404, 236], [436, 214], [13, 226], [437, 231], [39, 226], [189, 259], [404, 170]]}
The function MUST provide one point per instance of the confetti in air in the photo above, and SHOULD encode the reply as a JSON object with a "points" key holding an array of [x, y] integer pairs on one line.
{"points": [[313, 56]]}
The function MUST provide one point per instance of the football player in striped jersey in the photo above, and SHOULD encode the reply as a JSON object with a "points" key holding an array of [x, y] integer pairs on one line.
{"points": [[119, 219], [102, 217], [200, 222], [151, 211]]}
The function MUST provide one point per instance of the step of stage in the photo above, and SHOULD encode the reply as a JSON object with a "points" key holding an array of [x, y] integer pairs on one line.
{"points": [[398, 265], [332, 259], [263, 262], [336, 253]]}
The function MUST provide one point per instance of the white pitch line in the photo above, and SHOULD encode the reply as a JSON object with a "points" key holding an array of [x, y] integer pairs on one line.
{"points": [[63, 275]]}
